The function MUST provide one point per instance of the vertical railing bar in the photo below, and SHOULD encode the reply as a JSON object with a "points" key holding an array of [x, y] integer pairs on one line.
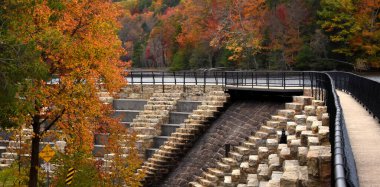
{"points": [[163, 85], [184, 80], [175, 80], [204, 82], [132, 77]]}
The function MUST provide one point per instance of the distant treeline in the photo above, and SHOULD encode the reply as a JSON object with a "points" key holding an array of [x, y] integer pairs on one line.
{"points": [[252, 34]]}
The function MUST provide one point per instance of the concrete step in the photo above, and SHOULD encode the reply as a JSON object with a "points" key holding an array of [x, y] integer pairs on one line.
{"points": [[223, 167], [178, 117], [159, 140], [168, 129], [129, 104], [126, 115], [187, 106]]}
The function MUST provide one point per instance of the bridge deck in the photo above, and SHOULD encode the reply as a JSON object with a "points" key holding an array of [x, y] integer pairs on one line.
{"points": [[364, 133]]}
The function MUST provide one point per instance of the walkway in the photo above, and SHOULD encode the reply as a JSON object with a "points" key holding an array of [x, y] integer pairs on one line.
{"points": [[364, 133]]}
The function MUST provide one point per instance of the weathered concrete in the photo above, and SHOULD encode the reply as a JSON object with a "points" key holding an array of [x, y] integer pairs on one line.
{"points": [[238, 122], [364, 133]]}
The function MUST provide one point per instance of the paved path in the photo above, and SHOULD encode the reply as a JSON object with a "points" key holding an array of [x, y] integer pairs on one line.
{"points": [[364, 133], [233, 126]]}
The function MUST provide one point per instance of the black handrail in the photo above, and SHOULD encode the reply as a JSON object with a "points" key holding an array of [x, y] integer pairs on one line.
{"points": [[322, 86]]}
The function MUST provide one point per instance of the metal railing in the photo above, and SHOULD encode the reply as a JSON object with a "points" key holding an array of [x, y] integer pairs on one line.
{"points": [[253, 79], [322, 86], [365, 91]]}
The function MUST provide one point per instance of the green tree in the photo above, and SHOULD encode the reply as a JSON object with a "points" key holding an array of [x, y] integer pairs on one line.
{"points": [[337, 20]]}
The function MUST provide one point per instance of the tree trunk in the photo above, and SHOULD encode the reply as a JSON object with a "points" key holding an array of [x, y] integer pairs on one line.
{"points": [[34, 160]]}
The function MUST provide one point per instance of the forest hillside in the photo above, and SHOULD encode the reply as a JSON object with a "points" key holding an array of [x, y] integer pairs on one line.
{"points": [[252, 34]]}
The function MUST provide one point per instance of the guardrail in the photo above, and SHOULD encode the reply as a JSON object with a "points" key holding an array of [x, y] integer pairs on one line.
{"points": [[254, 79], [366, 92], [322, 85]]}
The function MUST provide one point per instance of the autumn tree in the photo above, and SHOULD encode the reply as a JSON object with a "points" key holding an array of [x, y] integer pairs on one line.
{"points": [[77, 43], [366, 42]]}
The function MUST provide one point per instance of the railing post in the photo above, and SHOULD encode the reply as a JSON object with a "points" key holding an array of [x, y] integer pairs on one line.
{"points": [[163, 85], [284, 80], [132, 77], [204, 82], [227, 148], [256, 78], [225, 80], [195, 76], [184, 80], [252, 79], [237, 79], [154, 81], [303, 80], [141, 82], [175, 80]]}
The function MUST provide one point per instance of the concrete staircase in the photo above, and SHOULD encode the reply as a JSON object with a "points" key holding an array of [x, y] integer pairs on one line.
{"points": [[176, 117], [167, 155], [303, 159], [147, 124]]}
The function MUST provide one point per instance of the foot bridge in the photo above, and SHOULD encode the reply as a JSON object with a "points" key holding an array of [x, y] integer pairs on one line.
{"points": [[250, 128]]}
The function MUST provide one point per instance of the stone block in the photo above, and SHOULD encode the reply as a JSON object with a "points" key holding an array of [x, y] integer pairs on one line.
{"points": [[324, 135], [288, 113], [253, 161], [272, 145], [289, 179], [305, 100], [300, 119], [291, 127], [252, 180], [320, 110], [290, 138], [303, 176], [325, 119], [305, 135], [280, 146], [279, 118], [318, 162], [275, 179], [309, 121], [298, 107], [258, 141], [235, 176], [294, 144], [312, 141], [315, 126], [273, 124], [299, 130], [263, 153], [317, 103], [285, 154], [302, 155], [310, 110], [274, 163], [262, 172], [267, 129]]}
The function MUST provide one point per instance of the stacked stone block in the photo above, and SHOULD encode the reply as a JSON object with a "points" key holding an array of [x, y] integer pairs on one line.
{"points": [[304, 160], [147, 123], [166, 157]]}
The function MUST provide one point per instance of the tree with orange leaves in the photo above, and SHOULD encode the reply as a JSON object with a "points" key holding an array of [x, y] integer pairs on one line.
{"points": [[77, 42]]}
